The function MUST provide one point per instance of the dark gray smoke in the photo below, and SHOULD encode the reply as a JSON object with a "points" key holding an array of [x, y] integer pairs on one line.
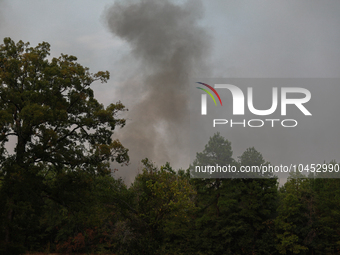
{"points": [[170, 47]]}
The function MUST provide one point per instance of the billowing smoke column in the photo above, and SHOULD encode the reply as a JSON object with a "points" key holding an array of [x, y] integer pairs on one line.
{"points": [[169, 45]]}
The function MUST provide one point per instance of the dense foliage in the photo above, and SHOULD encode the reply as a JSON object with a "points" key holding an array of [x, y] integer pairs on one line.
{"points": [[63, 139], [57, 193]]}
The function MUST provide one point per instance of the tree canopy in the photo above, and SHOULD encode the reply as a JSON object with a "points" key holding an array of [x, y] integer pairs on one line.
{"points": [[60, 130]]}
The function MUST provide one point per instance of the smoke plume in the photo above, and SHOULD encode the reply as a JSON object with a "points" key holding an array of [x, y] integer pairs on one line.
{"points": [[170, 48]]}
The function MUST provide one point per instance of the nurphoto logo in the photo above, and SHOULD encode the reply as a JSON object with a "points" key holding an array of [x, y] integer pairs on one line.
{"points": [[238, 108]]}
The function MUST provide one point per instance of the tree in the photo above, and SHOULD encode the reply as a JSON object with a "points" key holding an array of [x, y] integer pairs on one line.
{"points": [[216, 152], [61, 132], [296, 216], [235, 214], [327, 209], [163, 202], [100, 225], [251, 157], [257, 203]]}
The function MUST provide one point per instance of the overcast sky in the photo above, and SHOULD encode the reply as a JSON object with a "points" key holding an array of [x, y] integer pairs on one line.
{"points": [[250, 39]]}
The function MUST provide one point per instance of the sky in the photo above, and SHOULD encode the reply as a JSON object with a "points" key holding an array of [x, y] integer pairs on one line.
{"points": [[154, 49]]}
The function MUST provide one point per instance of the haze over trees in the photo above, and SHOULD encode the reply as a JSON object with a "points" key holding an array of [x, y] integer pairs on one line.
{"points": [[57, 193]]}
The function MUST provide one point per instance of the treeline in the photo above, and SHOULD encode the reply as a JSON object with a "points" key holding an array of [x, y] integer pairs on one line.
{"points": [[167, 212]]}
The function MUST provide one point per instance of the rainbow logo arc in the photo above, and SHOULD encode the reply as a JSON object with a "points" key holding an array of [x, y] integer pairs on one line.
{"points": [[208, 92]]}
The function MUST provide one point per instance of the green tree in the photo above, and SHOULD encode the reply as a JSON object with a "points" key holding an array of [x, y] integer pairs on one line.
{"points": [[61, 132], [163, 205], [257, 198], [295, 222], [216, 152], [251, 157], [308, 219], [235, 215], [327, 210], [100, 225]]}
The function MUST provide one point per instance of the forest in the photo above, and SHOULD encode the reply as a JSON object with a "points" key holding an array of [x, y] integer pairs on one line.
{"points": [[58, 194]]}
